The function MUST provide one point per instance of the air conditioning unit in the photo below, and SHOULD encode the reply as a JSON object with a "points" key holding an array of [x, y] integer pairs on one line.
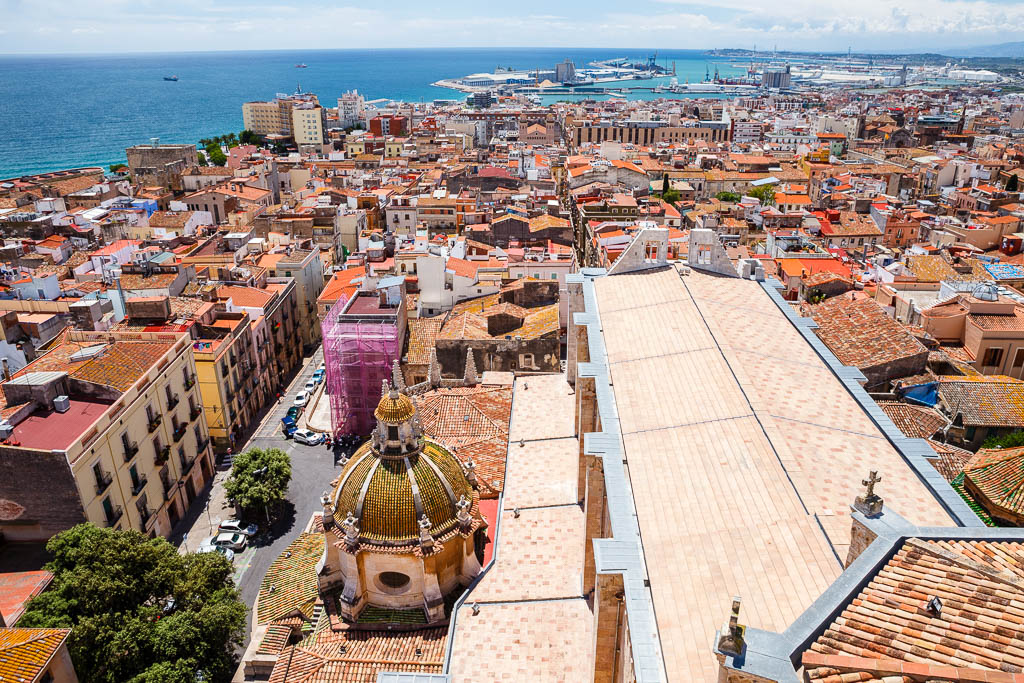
{"points": [[62, 404], [6, 429]]}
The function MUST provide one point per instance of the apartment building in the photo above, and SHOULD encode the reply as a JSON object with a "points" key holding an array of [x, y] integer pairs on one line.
{"points": [[306, 268], [298, 116], [228, 382], [113, 424]]}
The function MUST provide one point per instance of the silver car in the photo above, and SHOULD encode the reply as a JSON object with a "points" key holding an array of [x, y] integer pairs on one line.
{"points": [[229, 540], [210, 548], [236, 526]]}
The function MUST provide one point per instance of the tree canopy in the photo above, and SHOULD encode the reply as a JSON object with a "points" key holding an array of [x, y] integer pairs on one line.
{"points": [[766, 193], [139, 611], [247, 137], [259, 478], [727, 197]]}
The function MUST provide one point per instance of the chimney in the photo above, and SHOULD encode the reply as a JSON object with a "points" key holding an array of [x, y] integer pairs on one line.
{"points": [[7, 376]]}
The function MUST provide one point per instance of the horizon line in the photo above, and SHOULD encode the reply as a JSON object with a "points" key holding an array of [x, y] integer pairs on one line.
{"points": [[489, 48]]}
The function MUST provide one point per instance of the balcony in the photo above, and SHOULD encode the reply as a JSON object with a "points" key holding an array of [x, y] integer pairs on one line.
{"points": [[190, 381], [154, 422], [180, 432], [162, 454], [186, 462], [103, 482], [168, 491], [114, 516], [172, 401], [202, 444], [130, 449], [139, 485], [194, 412]]}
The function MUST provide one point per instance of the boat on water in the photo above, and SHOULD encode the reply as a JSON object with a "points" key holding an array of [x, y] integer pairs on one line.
{"points": [[616, 96], [170, 78], [301, 66]]}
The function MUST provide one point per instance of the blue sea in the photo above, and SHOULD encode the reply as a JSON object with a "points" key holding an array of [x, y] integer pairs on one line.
{"points": [[62, 111]]}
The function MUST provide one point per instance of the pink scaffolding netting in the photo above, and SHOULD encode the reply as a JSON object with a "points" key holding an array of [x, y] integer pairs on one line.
{"points": [[358, 355]]}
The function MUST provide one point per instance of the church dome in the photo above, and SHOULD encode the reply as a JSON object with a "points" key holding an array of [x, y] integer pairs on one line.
{"points": [[388, 496], [394, 407]]}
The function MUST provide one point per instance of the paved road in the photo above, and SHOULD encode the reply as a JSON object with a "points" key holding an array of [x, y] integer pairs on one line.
{"points": [[313, 468]]}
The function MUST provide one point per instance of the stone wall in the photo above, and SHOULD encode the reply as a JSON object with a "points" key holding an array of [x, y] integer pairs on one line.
{"points": [[860, 538], [38, 494], [501, 355]]}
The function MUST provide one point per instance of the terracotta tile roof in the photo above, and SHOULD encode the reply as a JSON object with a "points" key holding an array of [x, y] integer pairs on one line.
{"points": [[914, 421], [290, 583], [860, 333], [17, 588], [997, 474], [1014, 322], [25, 651], [475, 421], [422, 335], [888, 623], [366, 653], [468, 320], [250, 297], [984, 400], [119, 365], [951, 460]]}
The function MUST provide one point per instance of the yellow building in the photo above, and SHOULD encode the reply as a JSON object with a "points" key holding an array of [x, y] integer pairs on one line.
{"points": [[228, 381], [113, 424]]}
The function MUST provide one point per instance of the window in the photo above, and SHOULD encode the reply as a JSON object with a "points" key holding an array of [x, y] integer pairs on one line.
{"points": [[993, 357], [392, 582], [392, 433], [1018, 359]]}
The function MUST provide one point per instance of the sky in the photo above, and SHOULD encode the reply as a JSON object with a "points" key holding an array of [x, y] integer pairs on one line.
{"points": [[105, 26]]}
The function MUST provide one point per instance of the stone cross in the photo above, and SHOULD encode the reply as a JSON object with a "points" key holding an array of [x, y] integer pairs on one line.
{"points": [[870, 482], [870, 504], [731, 635]]}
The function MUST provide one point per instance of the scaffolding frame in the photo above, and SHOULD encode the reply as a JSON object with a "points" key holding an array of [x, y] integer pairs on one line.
{"points": [[358, 355]]}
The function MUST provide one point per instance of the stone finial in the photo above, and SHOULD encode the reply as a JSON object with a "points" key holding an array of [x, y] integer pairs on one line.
{"points": [[869, 504], [385, 388], [464, 518], [351, 529], [434, 369], [471, 472], [426, 540], [470, 377], [325, 503], [731, 635], [396, 375]]}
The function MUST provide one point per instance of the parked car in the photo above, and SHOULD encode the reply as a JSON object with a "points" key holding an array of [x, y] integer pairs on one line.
{"points": [[318, 376], [288, 426], [208, 547], [308, 437], [322, 368], [228, 540], [301, 399], [237, 526], [294, 412], [311, 385]]}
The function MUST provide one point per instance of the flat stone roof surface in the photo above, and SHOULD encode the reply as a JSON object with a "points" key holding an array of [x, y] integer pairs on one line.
{"points": [[534, 623], [744, 452]]}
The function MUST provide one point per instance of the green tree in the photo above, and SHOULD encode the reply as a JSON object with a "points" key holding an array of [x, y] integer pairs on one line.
{"points": [[727, 197], [247, 137], [202, 159], [665, 187], [1012, 183], [1011, 440], [215, 154], [766, 193], [140, 611], [259, 478], [118, 168]]}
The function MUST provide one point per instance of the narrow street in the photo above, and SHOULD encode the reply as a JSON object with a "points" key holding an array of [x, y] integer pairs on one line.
{"points": [[313, 468]]}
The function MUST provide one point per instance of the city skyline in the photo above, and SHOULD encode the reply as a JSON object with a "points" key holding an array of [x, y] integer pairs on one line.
{"points": [[118, 26]]}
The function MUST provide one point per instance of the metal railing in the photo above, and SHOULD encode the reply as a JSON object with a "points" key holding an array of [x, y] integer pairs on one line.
{"points": [[115, 516], [139, 485], [130, 449], [103, 482]]}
